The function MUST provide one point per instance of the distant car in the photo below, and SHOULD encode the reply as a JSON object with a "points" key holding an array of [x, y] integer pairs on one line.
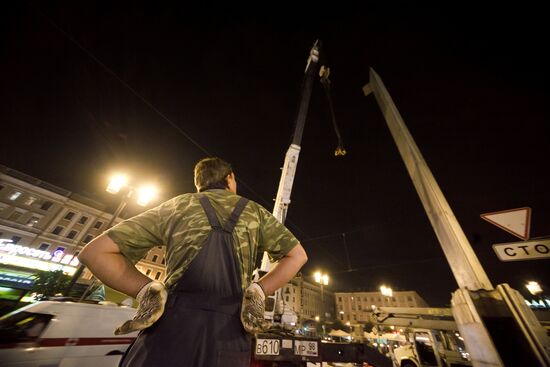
{"points": [[56, 333]]}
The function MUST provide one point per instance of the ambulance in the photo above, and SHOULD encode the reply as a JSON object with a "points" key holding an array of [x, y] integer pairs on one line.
{"points": [[64, 334]]}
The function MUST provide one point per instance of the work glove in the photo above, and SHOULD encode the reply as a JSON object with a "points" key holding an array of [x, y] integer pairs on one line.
{"points": [[253, 309], [151, 299]]}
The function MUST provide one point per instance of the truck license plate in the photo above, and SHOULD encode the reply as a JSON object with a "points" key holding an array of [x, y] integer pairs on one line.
{"points": [[306, 348], [267, 347]]}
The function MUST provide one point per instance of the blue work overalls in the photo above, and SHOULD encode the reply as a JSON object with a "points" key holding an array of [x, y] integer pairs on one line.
{"points": [[201, 324]]}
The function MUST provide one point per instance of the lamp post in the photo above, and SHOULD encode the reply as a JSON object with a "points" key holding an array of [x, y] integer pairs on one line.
{"points": [[322, 279], [116, 184]]}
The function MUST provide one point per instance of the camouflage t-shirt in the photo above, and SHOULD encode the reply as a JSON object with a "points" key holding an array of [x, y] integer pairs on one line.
{"points": [[181, 225]]}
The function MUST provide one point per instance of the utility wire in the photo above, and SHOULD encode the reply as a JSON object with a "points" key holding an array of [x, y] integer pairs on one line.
{"points": [[150, 105], [372, 267], [128, 86]]}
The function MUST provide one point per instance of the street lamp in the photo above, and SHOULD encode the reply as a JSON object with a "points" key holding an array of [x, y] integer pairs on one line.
{"points": [[322, 279], [533, 287], [116, 184]]}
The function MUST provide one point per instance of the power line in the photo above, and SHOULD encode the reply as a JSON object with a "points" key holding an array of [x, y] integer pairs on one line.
{"points": [[150, 105]]}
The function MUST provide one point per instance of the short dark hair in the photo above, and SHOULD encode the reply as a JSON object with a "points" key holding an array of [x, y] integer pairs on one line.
{"points": [[210, 173]]}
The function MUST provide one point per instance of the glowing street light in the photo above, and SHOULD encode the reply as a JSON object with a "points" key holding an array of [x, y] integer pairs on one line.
{"points": [[116, 183], [322, 279], [533, 287], [146, 194], [386, 291]]}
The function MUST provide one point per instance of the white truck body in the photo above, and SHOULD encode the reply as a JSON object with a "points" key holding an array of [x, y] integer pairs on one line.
{"points": [[429, 337], [53, 333]]}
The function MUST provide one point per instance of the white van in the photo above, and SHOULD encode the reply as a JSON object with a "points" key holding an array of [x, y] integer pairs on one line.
{"points": [[54, 333]]}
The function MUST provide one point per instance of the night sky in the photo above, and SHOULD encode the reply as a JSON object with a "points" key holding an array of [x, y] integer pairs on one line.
{"points": [[91, 88]]}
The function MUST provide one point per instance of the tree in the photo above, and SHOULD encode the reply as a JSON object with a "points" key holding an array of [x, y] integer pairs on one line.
{"points": [[49, 283]]}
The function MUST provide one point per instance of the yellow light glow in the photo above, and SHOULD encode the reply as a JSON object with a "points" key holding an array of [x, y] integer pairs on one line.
{"points": [[533, 287], [26, 262], [146, 194], [117, 182], [321, 278], [316, 318], [386, 291], [317, 276]]}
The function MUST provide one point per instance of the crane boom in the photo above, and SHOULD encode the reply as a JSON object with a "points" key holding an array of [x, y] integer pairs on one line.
{"points": [[282, 200]]}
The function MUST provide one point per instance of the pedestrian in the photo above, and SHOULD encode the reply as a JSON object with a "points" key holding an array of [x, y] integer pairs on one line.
{"points": [[207, 308]]}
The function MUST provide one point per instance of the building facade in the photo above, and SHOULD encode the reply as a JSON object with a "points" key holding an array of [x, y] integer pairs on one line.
{"points": [[44, 227], [354, 307], [308, 300]]}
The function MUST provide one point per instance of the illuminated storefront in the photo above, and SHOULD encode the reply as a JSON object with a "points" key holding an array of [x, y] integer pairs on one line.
{"points": [[18, 264], [31, 258]]}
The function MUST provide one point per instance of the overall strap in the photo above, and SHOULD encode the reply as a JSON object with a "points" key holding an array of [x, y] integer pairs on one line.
{"points": [[233, 219], [210, 212], [213, 219]]}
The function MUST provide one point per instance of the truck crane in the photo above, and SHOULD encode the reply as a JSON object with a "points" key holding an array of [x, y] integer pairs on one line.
{"points": [[276, 312], [431, 336], [280, 346]]}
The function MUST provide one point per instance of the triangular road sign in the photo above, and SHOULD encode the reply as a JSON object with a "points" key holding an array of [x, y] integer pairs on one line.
{"points": [[515, 221]]}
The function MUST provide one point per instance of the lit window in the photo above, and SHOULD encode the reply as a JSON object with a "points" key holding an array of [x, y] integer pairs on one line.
{"points": [[14, 195], [46, 205], [30, 200], [88, 238], [155, 257], [15, 239], [44, 247], [57, 230], [98, 224], [33, 221], [69, 216], [83, 219], [72, 234]]}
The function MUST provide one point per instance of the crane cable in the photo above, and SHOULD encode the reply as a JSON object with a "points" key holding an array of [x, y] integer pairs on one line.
{"points": [[324, 73]]}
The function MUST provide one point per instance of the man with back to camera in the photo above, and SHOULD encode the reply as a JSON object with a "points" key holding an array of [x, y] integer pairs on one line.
{"points": [[208, 303]]}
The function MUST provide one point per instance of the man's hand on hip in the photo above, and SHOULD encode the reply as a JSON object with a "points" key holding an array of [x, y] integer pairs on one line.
{"points": [[253, 309], [151, 299]]}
